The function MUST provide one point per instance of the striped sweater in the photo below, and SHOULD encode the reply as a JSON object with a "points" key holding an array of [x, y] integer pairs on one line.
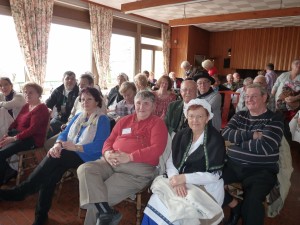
{"points": [[247, 150]]}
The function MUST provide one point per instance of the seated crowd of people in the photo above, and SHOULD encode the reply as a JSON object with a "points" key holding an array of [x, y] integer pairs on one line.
{"points": [[116, 143]]}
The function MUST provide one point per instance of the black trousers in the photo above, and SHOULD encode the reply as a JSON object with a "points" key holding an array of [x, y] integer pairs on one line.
{"points": [[11, 149], [257, 183], [45, 177]]}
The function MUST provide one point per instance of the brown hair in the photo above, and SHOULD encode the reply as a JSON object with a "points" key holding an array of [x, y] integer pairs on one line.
{"points": [[35, 86], [6, 79], [167, 78]]}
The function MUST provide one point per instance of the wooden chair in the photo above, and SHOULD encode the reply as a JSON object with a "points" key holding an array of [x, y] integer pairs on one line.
{"points": [[29, 159], [228, 95], [68, 175], [138, 202], [161, 168]]}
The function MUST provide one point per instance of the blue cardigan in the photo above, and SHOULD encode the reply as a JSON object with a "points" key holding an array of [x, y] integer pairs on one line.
{"points": [[93, 150]]}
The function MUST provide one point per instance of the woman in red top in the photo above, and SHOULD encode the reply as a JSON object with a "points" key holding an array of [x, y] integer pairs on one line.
{"points": [[163, 96], [29, 128]]}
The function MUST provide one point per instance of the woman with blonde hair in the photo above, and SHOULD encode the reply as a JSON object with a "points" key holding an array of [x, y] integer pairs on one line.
{"points": [[209, 67], [141, 82]]}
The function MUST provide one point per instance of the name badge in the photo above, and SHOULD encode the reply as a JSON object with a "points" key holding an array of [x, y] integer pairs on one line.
{"points": [[126, 131]]}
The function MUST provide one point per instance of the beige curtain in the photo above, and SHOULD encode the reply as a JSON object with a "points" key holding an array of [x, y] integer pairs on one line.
{"points": [[32, 20], [101, 27], [166, 36]]}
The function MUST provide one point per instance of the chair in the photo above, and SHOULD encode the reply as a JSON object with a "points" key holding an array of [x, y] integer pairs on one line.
{"points": [[28, 160], [138, 201], [228, 95], [161, 168], [275, 199], [68, 175]]}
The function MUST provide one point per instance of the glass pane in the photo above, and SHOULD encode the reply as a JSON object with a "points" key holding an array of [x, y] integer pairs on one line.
{"points": [[12, 64], [69, 49], [122, 52], [147, 56], [151, 41], [159, 64]]}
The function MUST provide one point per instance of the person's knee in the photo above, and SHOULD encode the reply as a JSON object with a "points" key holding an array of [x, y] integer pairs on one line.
{"points": [[81, 169]]}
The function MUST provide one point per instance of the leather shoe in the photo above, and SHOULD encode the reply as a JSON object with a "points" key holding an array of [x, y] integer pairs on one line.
{"points": [[9, 174], [109, 218], [233, 219], [40, 219], [235, 215], [11, 195]]}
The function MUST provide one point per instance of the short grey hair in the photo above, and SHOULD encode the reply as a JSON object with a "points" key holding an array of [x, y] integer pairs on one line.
{"points": [[207, 64], [248, 80], [185, 64], [261, 88], [145, 95], [124, 75]]}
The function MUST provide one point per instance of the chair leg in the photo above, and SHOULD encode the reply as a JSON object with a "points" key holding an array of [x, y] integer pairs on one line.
{"points": [[20, 169], [138, 208], [79, 213], [59, 188]]}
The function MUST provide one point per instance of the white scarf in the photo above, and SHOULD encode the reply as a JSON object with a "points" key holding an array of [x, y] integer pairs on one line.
{"points": [[88, 135]]}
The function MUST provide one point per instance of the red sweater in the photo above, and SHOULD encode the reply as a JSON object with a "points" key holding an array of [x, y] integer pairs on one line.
{"points": [[145, 140], [32, 124]]}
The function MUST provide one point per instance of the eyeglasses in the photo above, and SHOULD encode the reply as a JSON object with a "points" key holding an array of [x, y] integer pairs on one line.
{"points": [[187, 90], [192, 117], [254, 97], [202, 82]]}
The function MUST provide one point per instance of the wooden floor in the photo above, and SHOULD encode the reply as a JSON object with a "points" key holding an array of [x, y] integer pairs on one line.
{"points": [[65, 211]]}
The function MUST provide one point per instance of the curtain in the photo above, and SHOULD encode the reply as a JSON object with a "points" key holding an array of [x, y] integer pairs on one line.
{"points": [[101, 26], [32, 21], [166, 33]]}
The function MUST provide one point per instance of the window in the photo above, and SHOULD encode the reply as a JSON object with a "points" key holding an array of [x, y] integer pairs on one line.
{"points": [[69, 48], [122, 57], [12, 64], [152, 57], [147, 60], [151, 41]]}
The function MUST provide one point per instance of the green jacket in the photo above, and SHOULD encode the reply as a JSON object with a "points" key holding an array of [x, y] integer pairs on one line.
{"points": [[173, 116]]}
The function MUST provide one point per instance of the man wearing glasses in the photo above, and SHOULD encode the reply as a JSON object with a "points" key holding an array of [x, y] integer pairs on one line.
{"points": [[252, 157], [175, 119]]}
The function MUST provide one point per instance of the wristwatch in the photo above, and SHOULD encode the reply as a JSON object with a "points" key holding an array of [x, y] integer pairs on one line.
{"points": [[78, 148]]}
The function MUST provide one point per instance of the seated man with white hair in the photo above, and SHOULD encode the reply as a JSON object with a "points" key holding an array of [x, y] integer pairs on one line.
{"points": [[189, 70]]}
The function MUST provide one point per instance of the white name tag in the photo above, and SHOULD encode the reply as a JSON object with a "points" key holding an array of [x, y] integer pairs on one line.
{"points": [[126, 131]]}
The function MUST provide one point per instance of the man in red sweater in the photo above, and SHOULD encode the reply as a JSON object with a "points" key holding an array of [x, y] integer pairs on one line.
{"points": [[130, 156]]}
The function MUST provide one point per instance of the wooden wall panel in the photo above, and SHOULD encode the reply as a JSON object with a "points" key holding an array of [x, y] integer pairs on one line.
{"points": [[190, 41], [179, 44], [198, 43], [219, 44], [253, 48]]}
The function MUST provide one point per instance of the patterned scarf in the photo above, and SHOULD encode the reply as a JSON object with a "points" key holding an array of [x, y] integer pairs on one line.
{"points": [[88, 134]]}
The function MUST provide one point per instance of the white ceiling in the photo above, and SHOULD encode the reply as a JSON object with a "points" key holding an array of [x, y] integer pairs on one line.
{"points": [[218, 7]]}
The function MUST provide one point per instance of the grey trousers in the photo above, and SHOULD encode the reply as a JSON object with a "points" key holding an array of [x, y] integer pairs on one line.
{"points": [[100, 182]]}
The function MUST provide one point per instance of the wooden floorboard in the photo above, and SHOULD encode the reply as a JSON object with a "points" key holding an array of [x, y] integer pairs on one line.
{"points": [[65, 211]]}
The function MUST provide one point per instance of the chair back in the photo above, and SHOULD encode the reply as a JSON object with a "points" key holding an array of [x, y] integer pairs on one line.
{"points": [[228, 96]]}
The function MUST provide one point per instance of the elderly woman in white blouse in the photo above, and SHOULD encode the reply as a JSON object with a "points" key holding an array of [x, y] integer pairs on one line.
{"points": [[193, 190]]}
